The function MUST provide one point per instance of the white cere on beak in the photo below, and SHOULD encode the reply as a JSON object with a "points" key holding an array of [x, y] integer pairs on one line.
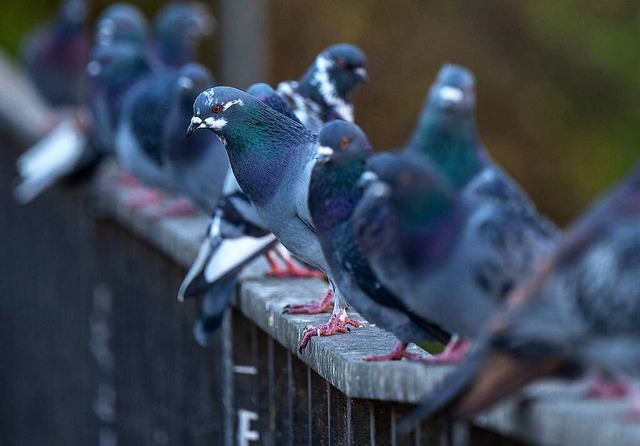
{"points": [[94, 68], [368, 177], [325, 151], [361, 71], [379, 189], [196, 122], [185, 83], [230, 104], [214, 124], [451, 94]]}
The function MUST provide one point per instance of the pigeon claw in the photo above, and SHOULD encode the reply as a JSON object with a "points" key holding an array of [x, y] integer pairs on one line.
{"points": [[338, 323], [325, 305], [291, 270], [452, 353], [398, 353]]}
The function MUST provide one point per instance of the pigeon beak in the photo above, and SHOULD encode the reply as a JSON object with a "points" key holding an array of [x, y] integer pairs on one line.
{"points": [[366, 179], [196, 123], [361, 73], [324, 154]]}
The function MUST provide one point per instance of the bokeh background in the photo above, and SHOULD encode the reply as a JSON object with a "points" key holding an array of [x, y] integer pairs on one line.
{"points": [[558, 80]]}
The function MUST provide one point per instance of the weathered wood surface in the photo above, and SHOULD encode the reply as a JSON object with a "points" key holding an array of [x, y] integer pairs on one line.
{"points": [[556, 415]]}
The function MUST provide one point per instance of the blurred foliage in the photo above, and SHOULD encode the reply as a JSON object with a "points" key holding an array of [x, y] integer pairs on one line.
{"points": [[557, 80]]}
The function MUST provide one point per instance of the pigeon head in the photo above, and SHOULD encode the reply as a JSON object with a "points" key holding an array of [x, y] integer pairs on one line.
{"points": [[342, 142], [340, 160], [116, 65], [453, 92], [242, 121], [192, 79], [122, 23], [178, 27], [261, 90]]}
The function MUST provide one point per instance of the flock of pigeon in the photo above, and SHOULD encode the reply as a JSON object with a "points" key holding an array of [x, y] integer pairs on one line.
{"points": [[431, 241]]}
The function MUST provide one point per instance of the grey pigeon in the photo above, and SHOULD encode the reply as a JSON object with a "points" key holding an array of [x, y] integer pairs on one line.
{"points": [[177, 29], [55, 56], [196, 166], [73, 149], [324, 92], [271, 157], [450, 261], [122, 23], [447, 138], [581, 305], [334, 192]]}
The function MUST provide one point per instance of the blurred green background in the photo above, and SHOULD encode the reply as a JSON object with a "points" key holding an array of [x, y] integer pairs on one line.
{"points": [[558, 81]]}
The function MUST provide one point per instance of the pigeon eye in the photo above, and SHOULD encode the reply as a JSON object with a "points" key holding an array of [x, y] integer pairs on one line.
{"points": [[216, 108], [341, 63], [344, 143]]}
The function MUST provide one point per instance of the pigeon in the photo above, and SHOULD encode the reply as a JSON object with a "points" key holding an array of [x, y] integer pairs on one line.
{"points": [[271, 157], [324, 91], [449, 260], [196, 166], [122, 23], [334, 192], [582, 305], [447, 138], [236, 236], [74, 148], [177, 27], [55, 56]]}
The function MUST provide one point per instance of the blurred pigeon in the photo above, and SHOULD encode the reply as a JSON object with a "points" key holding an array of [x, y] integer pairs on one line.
{"points": [[195, 166], [269, 96], [447, 138], [333, 194], [55, 56], [271, 157], [78, 144], [324, 92], [122, 23], [449, 260], [178, 28], [582, 304]]}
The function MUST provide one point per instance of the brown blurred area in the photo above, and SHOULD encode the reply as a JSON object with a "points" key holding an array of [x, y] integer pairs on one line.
{"points": [[558, 81]]}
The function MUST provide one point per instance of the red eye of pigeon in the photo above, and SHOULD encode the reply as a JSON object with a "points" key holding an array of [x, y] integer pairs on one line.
{"points": [[341, 63], [216, 108], [344, 143]]}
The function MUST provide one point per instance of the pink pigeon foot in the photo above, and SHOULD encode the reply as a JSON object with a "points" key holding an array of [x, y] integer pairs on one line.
{"points": [[452, 353], [338, 323], [180, 207], [128, 181], [325, 305], [399, 352], [602, 388], [144, 198]]}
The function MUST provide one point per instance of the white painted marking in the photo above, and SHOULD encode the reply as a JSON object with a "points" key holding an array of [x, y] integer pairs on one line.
{"points": [[451, 94], [245, 369], [245, 434]]}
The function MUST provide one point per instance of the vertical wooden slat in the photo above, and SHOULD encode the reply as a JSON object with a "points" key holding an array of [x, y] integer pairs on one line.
{"points": [[320, 407], [280, 396], [299, 375], [338, 417], [360, 422]]}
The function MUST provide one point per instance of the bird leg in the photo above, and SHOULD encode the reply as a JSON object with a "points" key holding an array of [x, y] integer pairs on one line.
{"points": [[290, 269], [323, 306], [178, 207], [399, 352], [143, 198], [453, 352], [603, 387], [338, 323]]}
